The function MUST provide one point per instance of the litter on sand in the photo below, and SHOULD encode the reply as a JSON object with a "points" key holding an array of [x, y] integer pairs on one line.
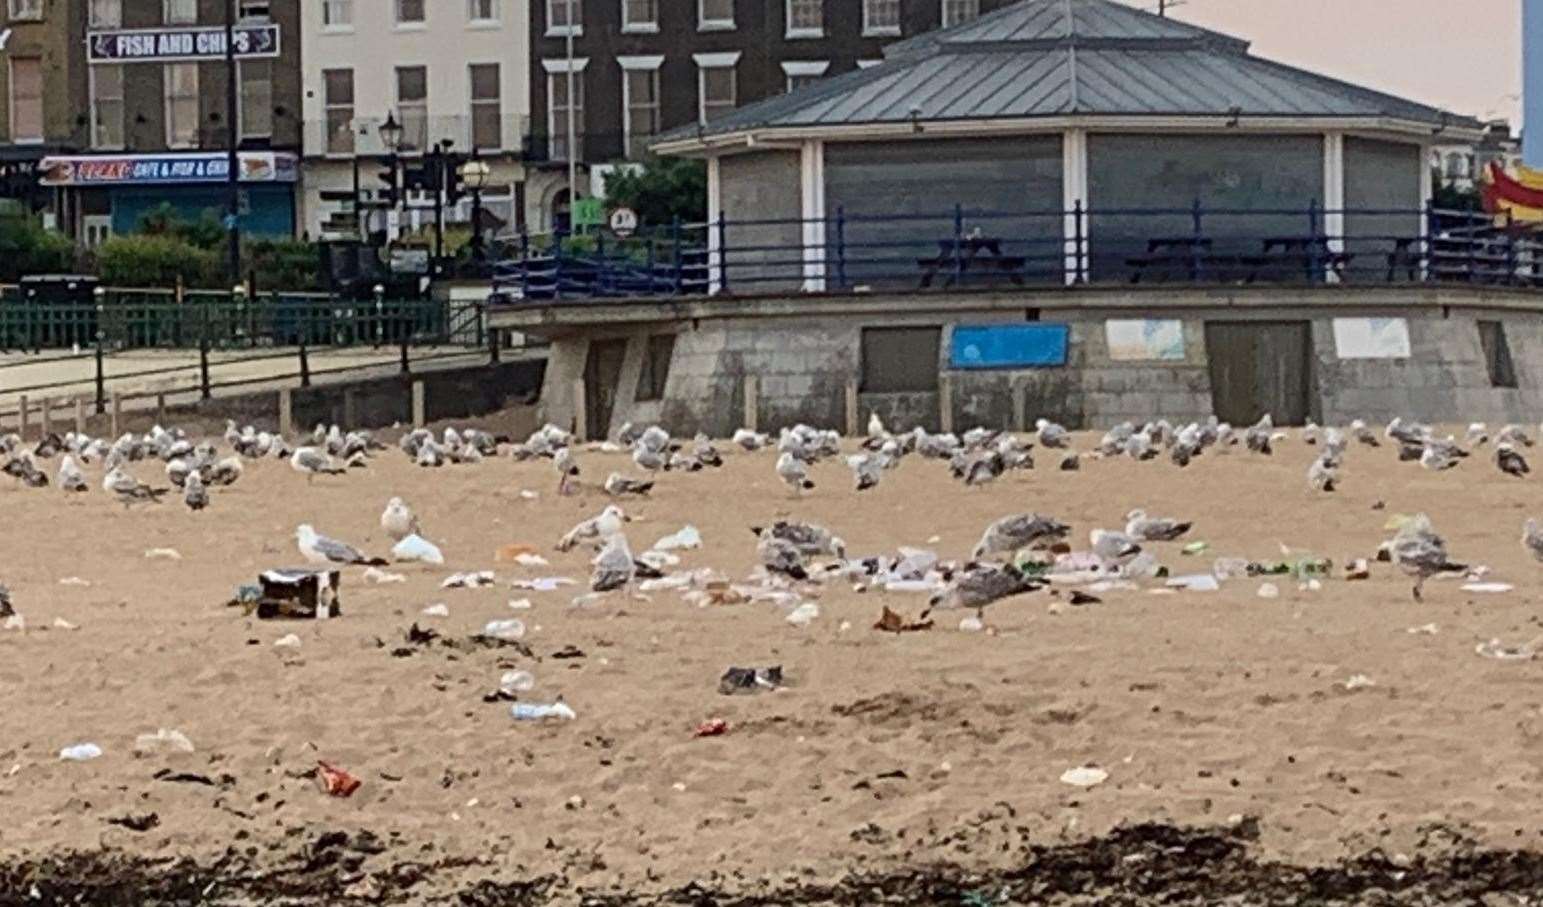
{"points": [[1199, 582], [1495, 649], [543, 584], [80, 752], [163, 554], [468, 580], [1084, 776], [381, 577], [417, 548], [1487, 587], [687, 538], [439, 609]]}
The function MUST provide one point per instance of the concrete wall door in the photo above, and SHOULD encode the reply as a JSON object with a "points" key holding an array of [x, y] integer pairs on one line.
{"points": [[1260, 367], [602, 376]]}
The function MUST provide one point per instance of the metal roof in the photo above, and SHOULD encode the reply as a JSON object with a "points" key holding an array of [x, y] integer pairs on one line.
{"points": [[1048, 58]]}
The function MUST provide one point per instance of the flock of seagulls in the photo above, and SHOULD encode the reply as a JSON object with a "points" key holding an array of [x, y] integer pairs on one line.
{"points": [[786, 550]]}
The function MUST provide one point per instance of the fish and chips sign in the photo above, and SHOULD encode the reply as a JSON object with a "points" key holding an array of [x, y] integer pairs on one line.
{"points": [[170, 45]]}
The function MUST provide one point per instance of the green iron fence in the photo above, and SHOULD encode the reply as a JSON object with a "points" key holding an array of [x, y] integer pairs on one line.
{"points": [[125, 319]]}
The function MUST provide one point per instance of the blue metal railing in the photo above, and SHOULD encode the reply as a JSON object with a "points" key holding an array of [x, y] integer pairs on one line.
{"points": [[957, 247]]}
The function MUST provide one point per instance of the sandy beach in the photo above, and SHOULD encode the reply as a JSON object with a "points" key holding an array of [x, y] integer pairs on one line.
{"points": [[884, 753]]}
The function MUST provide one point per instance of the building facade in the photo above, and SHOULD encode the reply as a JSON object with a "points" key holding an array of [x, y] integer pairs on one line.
{"points": [[451, 73], [1463, 166], [146, 87], [38, 113], [643, 67]]}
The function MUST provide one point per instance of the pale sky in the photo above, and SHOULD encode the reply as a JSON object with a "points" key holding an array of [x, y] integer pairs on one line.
{"points": [[1460, 55]]}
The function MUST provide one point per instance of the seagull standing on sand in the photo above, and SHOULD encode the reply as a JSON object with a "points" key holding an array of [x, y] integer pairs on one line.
{"points": [[808, 538], [312, 462], [781, 557], [1051, 434], [398, 520], [1114, 547], [1421, 553], [1532, 539], [318, 549], [129, 489], [597, 528], [792, 470], [1363, 434], [1014, 533], [618, 485], [978, 586], [867, 468], [1153, 529], [566, 467], [1323, 474], [749, 440], [193, 493], [1510, 460], [613, 565], [1258, 436], [71, 479]]}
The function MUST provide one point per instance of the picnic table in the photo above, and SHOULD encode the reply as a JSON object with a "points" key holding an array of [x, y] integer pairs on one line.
{"points": [[1309, 253], [1192, 252], [961, 255]]}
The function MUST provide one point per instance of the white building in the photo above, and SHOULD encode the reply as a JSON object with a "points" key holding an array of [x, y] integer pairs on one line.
{"points": [[446, 70], [1462, 165]]}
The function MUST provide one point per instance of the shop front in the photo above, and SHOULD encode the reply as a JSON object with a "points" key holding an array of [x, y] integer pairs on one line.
{"points": [[107, 194]]}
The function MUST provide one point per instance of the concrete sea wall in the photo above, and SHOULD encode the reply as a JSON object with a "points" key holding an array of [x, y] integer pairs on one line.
{"points": [[1331, 354]]}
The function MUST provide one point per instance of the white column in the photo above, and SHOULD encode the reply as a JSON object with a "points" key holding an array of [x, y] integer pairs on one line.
{"points": [[1427, 198], [1334, 196], [812, 208], [1074, 192], [714, 212]]}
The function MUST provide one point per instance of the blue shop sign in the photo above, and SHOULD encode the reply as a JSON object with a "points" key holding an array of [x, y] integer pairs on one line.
{"points": [[1000, 346]]}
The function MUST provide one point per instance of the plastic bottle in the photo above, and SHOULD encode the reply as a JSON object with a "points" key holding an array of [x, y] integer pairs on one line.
{"points": [[507, 630], [516, 682], [531, 711], [80, 752]]}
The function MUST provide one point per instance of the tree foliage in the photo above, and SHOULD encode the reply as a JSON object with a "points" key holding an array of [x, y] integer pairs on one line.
{"points": [[661, 190], [27, 248]]}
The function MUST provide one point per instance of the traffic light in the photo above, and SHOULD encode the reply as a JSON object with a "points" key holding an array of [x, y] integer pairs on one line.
{"points": [[389, 177], [455, 187]]}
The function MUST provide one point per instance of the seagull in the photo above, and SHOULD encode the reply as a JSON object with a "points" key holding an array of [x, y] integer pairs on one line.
{"points": [[703, 451], [600, 527], [1257, 438], [1113, 546], [1421, 553], [1153, 529], [808, 538], [618, 485], [1013, 533], [1510, 460], [781, 556], [1532, 539], [866, 469], [129, 489], [225, 472], [1114, 440], [1478, 434], [648, 459], [318, 549], [398, 520], [1436, 458], [977, 469], [70, 477], [1363, 434], [1071, 462], [1311, 433], [1051, 434], [750, 440], [1323, 474], [566, 467], [792, 470], [876, 426], [614, 567], [193, 493], [313, 462], [1514, 434], [979, 585]]}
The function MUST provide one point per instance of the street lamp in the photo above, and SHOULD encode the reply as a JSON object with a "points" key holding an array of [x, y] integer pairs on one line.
{"points": [[391, 133], [474, 175]]}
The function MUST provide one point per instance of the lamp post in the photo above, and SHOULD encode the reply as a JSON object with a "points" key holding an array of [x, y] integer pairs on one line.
{"points": [[573, 155], [391, 137], [232, 156], [474, 174]]}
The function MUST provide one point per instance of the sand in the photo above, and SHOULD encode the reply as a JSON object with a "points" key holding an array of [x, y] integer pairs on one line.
{"points": [[938, 748]]}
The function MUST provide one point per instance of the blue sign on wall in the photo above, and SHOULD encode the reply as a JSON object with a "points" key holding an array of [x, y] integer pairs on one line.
{"points": [[1008, 346]]}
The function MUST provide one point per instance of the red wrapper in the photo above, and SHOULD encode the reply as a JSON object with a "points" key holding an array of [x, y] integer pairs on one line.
{"points": [[714, 728], [337, 782]]}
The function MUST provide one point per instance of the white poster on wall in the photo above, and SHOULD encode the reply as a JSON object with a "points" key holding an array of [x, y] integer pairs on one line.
{"points": [[1371, 338], [1137, 339]]}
